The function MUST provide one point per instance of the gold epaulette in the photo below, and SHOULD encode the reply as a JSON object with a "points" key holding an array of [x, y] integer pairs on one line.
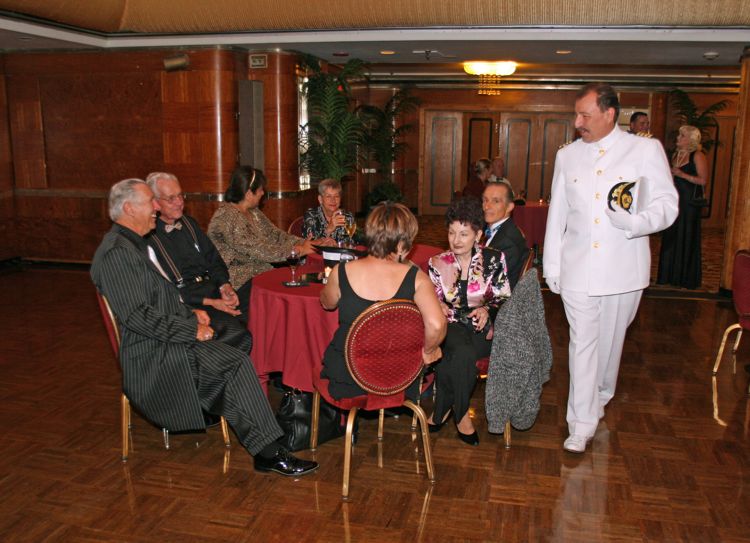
{"points": [[566, 143], [644, 134]]}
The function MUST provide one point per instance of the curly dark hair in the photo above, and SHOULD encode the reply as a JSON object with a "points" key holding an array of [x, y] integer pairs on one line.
{"points": [[466, 210]]}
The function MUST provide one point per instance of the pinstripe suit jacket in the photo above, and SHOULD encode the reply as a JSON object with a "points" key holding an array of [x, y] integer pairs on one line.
{"points": [[157, 330]]}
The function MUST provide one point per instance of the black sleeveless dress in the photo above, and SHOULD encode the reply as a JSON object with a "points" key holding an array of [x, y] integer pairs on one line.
{"points": [[680, 255], [341, 383]]}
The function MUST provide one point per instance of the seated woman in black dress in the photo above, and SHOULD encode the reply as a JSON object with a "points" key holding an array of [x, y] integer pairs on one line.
{"points": [[471, 283], [680, 255], [383, 274]]}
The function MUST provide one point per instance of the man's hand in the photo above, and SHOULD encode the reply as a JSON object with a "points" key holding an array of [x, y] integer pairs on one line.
{"points": [[204, 332], [619, 218], [554, 284], [229, 295], [305, 248], [221, 305], [202, 317]]}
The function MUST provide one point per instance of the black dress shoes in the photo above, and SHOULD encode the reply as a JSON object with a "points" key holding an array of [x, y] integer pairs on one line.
{"points": [[285, 463], [469, 439], [435, 427]]}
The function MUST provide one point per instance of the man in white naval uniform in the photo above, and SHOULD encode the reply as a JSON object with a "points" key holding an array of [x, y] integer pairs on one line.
{"points": [[596, 252]]}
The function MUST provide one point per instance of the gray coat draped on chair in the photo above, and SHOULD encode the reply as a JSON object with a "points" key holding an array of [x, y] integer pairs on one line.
{"points": [[520, 360]]}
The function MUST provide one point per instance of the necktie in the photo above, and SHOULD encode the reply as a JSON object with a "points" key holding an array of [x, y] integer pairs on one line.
{"points": [[169, 227], [489, 232]]}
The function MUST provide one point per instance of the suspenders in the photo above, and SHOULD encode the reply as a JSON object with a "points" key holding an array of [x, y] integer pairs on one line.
{"points": [[179, 280]]}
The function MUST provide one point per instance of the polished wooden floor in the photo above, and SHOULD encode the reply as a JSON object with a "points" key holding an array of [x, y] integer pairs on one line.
{"points": [[670, 461]]}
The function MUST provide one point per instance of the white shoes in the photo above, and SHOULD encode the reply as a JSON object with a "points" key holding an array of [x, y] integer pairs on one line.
{"points": [[576, 443]]}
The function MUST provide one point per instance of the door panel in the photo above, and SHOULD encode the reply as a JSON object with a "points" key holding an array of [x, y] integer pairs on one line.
{"points": [[479, 137], [517, 130], [556, 131], [442, 160]]}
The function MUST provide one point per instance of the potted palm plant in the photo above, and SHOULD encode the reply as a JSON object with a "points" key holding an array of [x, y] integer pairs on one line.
{"points": [[384, 141], [329, 141], [687, 112]]}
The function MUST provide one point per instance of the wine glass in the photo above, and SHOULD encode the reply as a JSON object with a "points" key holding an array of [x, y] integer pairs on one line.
{"points": [[293, 261], [350, 227]]}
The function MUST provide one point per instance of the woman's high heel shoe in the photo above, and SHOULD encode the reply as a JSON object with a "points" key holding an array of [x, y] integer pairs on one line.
{"points": [[436, 427], [470, 439]]}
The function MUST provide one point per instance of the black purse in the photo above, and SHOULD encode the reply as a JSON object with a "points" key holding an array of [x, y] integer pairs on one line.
{"points": [[295, 418], [699, 198]]}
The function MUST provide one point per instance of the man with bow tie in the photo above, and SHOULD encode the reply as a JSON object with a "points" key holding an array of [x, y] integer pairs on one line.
{"points": [[190, 258], [501, 233], [173, 368], [610, 190]]}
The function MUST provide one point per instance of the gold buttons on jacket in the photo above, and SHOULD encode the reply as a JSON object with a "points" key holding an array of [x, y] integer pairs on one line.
{"points": [[596, 221], [597, 195], [598, 172], [596, 245], [601, 151]]}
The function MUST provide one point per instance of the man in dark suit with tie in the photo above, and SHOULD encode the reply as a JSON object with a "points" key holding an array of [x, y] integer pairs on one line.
{"points": [[502, 233], [173, 367]]}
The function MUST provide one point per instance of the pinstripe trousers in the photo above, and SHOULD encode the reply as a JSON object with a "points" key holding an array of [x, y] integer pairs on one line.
{"points": [[228, 386]]}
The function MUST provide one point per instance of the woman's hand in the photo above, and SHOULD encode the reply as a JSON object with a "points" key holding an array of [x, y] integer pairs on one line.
{"points": [[431, 357], [480, 316], [677, 171], [446, 310]]}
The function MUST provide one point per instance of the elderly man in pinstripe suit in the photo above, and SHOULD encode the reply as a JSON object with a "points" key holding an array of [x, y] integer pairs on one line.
{"points": [[174, 367]]}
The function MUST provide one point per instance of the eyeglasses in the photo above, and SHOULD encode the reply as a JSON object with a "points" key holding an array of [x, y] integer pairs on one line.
{"points": [[174, 198]]}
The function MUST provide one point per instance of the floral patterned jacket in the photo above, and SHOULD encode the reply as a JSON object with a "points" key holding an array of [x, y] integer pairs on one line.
{"points": [[315, 224], [487, 286]]}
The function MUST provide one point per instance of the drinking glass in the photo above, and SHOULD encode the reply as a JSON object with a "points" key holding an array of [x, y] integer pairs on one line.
{"points": [[350, 228], [293, 261]]}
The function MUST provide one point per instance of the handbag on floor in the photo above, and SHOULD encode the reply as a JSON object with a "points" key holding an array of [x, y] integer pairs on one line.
{"points": [[295, 418]]}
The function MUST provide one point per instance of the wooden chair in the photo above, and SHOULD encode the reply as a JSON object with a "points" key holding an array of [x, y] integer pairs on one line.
{"points": [[113, 331], [741, 297], [383, 353], [295, 228]]}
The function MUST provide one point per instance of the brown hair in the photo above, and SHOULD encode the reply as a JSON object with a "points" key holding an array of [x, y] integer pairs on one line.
{"points": [[389, 228]]}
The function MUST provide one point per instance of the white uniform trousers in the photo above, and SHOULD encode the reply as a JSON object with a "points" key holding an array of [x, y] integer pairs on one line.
{"points": [[597, 333]]}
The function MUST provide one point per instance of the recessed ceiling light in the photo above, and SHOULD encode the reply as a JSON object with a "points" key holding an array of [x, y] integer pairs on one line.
{"points": [[563, 51], [387, 52], [710, 55], [340, 54]]}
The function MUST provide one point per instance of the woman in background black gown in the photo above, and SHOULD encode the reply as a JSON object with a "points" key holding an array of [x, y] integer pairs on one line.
{"points": [[680, 256]]}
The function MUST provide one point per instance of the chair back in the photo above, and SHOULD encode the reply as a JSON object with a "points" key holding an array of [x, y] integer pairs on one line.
{"points": [[529, 262], [420, 254], [110, 323], [741, 287], [383, 349], [295, 228]]}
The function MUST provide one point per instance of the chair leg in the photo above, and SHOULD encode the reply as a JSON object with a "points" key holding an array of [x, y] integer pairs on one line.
{"points": [[381, 424], [723, 343], [165, 433], [737, 341], [419, 412], [225, 432], [125, 425], [506, 434], [348, 452], [314, 421]]}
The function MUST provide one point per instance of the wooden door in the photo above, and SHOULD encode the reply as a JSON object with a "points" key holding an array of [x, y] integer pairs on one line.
{"points": [[442, 153], [528, 142]]}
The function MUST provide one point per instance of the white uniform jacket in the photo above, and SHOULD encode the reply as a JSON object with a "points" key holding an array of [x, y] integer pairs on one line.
{"points": [[581, 246]]}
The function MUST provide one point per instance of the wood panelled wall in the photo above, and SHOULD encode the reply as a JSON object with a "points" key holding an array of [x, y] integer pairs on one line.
{"points": [[81, 121], [8, 236], [71, 124]]}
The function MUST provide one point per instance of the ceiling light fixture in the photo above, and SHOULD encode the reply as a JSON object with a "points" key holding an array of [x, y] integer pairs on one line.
{"points": [[387, 52], [489, 73], [563, 51]]}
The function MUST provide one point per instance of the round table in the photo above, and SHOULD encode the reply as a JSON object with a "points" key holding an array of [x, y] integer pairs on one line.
{"points": [[290, 328]]}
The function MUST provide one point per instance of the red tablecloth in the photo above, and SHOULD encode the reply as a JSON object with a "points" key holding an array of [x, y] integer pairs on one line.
{"points": [[532, 220], [290, 328]]}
